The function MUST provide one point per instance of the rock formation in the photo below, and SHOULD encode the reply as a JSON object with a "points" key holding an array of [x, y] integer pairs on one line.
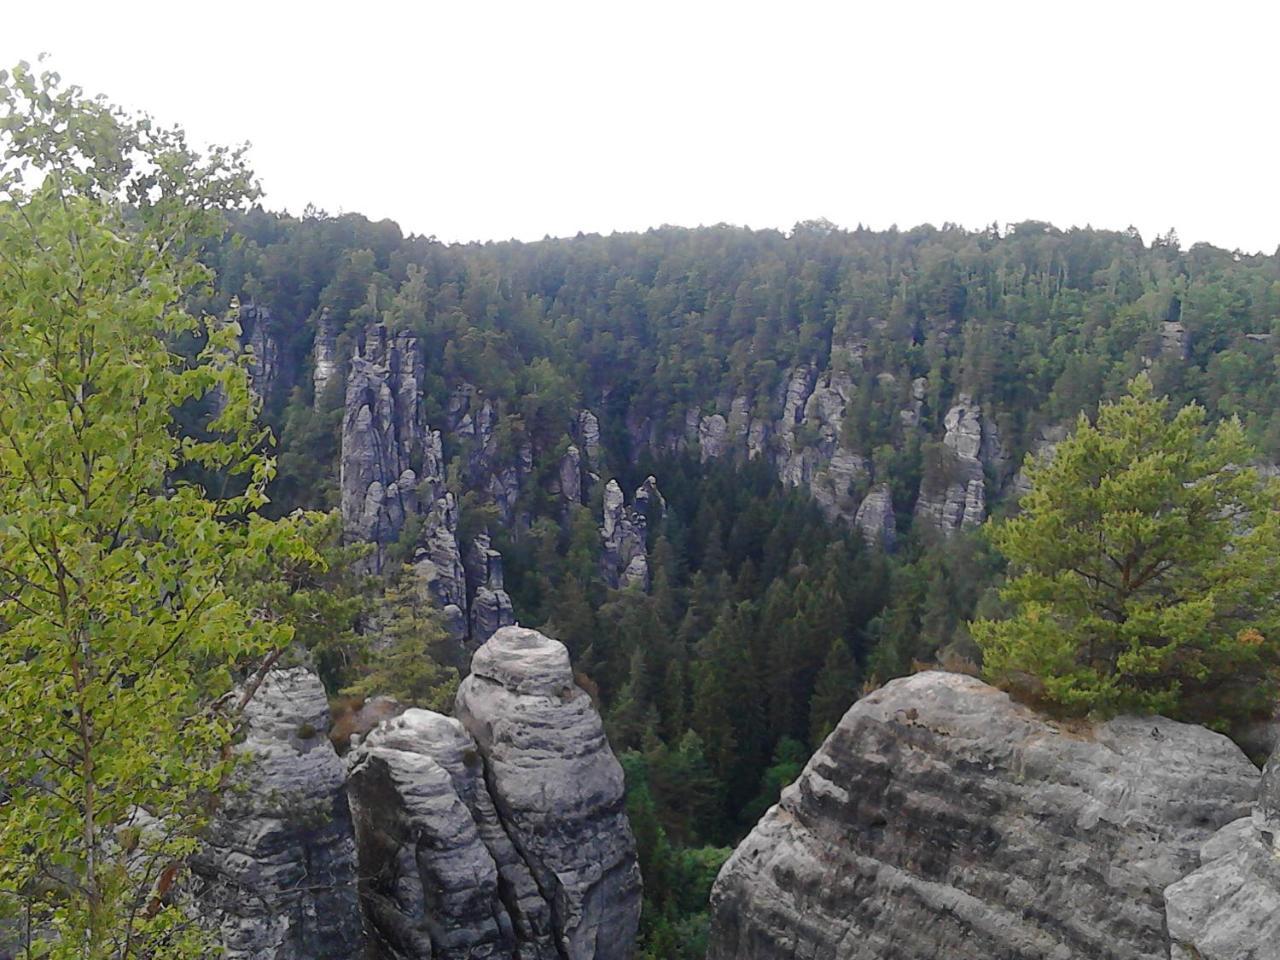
{"points": [[488, 601], [941, 819], [277, 876], [502, 835], [875, 518], [382, 436], [1229, 909], [259, 335], [623, 532], [324, 356], [588, 435], [568, 480], [440, 876], [557, 788], [392, 474], [958, 499]]}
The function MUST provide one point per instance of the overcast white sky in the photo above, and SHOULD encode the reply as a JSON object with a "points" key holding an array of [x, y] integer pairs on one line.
{"points": [[485, 120]]}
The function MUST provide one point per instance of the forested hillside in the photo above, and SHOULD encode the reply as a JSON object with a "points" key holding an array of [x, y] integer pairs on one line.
{"points": [[813, 425]]}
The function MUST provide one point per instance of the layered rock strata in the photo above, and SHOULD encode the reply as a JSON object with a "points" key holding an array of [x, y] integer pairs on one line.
{"points": [[276, 877], [557, 787], [501, 834], [941, 819], [624, 532], [1229, 909]]}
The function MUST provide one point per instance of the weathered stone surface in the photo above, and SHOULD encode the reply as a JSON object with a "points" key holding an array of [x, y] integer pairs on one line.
{"points": [[875, 519], [258, 331], [437, 562], [1175, 341], [490, 605], [440, 878], [557, 788], [381, 435], [569, 476], [941, 819], [324, 356], [623, 530], [277, 875], [1229, 909], [589, 437], [713, 437], [959, 499]]}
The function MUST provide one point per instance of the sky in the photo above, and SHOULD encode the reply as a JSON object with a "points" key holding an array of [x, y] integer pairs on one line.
{"points": [[478, 120]]}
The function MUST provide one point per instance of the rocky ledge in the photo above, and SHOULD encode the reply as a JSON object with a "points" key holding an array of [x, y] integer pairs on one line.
{"points": [[502, 833], [941, 819], [277, 876]]}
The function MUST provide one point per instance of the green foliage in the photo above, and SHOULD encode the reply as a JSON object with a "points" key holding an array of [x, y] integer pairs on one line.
{"points": [[405, 661], [1144, 568], [834, 692], [121, 620]]}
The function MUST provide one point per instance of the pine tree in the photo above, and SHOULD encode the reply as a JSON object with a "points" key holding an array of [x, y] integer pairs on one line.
{"points": [[1144, 570], [835, 691]]}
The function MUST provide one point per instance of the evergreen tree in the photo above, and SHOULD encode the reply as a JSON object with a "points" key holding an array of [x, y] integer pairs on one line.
{"points": [[834, 693], [1144, 571]]}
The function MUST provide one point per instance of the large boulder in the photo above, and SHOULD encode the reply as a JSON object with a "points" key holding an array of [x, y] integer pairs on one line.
{"points": [[440, 878], [276, 877], [1229, 909], [941, 819], [557, 788]]}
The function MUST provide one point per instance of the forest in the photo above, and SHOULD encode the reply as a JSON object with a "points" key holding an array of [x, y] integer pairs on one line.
{"points": [[766, 616]]}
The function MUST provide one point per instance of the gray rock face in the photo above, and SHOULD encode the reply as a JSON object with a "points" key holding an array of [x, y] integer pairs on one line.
{"points": [[589, 437], [1175, 342], [960, 499], [569, 476], [623, 530], [382, 434], [324, 356], [875, 519], [440, 878], [941, 819], [713, 437], [557, 789], [393, 471], [490, 604], [277, 876], [1229, 909], [258, 331]]}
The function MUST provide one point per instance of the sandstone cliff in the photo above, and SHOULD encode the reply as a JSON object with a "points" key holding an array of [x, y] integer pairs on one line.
{"points": [[941, 819], [277, 876], [502, 834]]}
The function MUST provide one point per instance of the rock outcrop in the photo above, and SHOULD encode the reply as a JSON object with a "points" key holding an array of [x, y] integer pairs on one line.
{"points": [[324, 356], [382, 436], [941, 819], [490, 605], [875, 518], [259, 335], [277, 875], [623, 533], [440, 877], [958, 498], [501, 835], [392, 475], [1229, 909], [557, 788]]}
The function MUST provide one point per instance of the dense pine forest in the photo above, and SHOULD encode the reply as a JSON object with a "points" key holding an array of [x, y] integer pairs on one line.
{"points": [[768, 603]]}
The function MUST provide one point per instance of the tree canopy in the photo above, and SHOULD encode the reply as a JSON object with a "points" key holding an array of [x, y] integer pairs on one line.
{"points": [[121, 622], [1145, 568]]}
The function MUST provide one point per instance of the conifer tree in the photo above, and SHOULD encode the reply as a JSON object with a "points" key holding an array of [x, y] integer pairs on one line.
{"points": [[1145, 568]]}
